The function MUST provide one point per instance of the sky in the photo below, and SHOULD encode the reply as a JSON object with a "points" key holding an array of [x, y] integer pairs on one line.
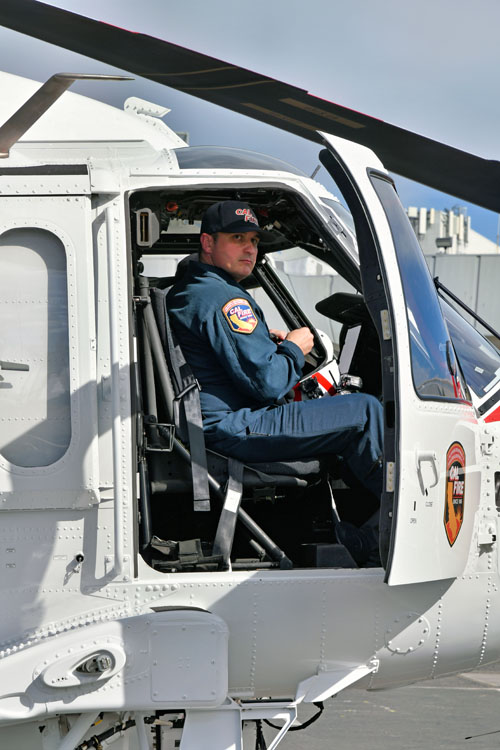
{"points": [[431, 66]]}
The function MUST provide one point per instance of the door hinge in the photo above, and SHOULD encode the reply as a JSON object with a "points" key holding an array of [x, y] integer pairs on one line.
{"points": [[386, 324], [389, 476], [487, 532], [487, 441]]}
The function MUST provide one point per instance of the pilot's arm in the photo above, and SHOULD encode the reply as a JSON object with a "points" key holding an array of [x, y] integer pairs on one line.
{"points": [[277, 335], [259, 367]]}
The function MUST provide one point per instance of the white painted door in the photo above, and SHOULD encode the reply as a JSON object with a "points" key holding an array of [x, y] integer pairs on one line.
{"points": [[432, 482], [48, 413]]}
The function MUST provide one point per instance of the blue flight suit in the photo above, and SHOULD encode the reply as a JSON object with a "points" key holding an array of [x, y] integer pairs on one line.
{"points": [[243, 373]]}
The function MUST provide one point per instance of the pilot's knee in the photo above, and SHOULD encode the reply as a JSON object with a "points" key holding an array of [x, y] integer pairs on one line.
{"points": [[369, 404]]}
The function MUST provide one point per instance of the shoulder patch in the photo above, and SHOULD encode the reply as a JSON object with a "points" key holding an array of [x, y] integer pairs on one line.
{"points": [[240, 316]]}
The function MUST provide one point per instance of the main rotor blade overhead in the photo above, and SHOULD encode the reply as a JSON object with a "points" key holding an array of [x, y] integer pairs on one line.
{"points": [[469, 177]]}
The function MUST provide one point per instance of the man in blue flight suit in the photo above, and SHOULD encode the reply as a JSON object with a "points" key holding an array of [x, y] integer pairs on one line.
{"points": [[243, 373]]}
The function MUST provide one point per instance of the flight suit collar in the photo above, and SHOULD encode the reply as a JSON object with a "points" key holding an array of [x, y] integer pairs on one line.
{"points": [[198, 266]]}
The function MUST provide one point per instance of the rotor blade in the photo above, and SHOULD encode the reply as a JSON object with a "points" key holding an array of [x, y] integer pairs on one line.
{"points": [[469, 177]]}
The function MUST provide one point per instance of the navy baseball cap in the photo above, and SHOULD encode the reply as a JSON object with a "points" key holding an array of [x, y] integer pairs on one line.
{"points": [[232, 217]]}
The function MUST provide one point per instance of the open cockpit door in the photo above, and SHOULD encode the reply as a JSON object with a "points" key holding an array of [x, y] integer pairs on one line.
{"points": [[432, 478]]}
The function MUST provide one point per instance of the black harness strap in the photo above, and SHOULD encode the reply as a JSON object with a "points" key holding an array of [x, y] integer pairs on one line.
{"points": [[224, 537], [187, 413], [186, 405]]}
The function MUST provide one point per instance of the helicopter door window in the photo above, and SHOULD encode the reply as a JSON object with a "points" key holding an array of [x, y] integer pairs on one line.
{"points": [[433, 364], [309, 280], [35, 428], [479, 358], [271, 313]]}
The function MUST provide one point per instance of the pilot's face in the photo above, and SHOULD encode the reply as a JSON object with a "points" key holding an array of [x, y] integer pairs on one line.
{"points": [[235, 253]]}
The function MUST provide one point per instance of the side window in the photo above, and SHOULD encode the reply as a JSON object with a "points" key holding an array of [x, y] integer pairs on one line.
{"points": [[35, 421], [310, 280], [432, 356], [479, 358]]}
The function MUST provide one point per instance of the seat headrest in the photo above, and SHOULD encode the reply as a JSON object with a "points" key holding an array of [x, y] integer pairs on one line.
{"points": [[183, 264]]}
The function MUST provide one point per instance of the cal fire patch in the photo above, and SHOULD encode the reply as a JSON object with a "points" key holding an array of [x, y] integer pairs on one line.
{"points": [[455, 491], [240, 316]]}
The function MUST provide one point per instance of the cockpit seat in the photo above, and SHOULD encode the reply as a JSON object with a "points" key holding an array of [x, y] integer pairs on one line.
{"points": [[288, 472], [268, 473], [220, 469], [358, 341]]}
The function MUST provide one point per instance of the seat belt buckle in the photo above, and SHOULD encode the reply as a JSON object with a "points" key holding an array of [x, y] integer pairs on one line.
{"points": [[201, 505]]}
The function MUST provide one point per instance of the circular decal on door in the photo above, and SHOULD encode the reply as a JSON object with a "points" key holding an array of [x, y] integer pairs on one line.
{"points": [[455, 492]]}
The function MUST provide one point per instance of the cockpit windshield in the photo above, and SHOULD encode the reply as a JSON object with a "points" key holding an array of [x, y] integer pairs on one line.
{"points": [[479, 359], [219, 157]]}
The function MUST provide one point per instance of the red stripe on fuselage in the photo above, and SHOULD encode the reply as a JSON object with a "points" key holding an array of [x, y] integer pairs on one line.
{"points": [[494, 416]]}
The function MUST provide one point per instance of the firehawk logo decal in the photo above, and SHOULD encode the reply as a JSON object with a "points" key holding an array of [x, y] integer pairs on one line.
{"points": [[455, 492]]}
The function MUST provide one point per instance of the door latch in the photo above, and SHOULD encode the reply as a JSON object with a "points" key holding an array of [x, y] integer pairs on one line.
{"points": [[427, 457]]}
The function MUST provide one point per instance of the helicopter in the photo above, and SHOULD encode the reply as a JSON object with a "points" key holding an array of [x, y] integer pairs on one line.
{"points": [[154, 593]]}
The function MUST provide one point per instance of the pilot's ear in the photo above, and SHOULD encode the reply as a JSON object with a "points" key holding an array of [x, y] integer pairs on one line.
{"points": [[207, 242]]}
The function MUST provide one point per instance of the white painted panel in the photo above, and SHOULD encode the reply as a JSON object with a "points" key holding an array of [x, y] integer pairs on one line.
{"points": [[35, 422], [49, 439]]}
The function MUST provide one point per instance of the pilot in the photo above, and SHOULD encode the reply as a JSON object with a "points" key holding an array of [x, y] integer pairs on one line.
{"points": [[244, 374]]}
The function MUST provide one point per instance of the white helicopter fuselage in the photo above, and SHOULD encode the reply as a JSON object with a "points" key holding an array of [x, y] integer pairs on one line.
{"points": [[230, 645]]}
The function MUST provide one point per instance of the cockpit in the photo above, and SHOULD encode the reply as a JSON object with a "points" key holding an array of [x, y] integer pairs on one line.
{"points": [[306, 275]]}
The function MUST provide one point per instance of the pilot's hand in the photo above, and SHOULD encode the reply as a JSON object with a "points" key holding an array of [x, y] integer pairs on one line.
{"points": [[277, 336], [303, 338]]}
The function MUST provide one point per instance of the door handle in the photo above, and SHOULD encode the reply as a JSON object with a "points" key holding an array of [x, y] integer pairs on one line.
{"points": [[10, 366], [13, 366], [430, 458]]}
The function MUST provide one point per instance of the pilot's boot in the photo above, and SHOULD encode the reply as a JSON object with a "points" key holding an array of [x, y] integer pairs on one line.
{"points": [[361, 542]]}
